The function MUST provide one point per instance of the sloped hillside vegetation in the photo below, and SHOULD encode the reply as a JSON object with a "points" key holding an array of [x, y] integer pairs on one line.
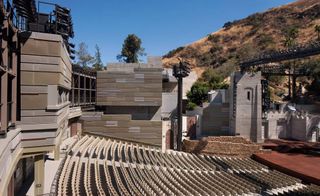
{"points": [[278, 28]]}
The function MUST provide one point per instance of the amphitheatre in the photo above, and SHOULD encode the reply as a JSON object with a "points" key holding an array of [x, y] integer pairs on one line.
{"points": [[100, 166], [235, 113]]}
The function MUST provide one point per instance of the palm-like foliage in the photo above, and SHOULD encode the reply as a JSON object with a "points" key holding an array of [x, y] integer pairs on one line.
{"points": [[317, 30], [291, 35]]}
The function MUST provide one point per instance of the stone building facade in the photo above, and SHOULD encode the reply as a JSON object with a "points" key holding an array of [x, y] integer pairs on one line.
{"points": [[246, 105], [130, 99]]}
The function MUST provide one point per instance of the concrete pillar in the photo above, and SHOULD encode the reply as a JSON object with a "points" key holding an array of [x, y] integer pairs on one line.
{"points": [[4, 103], [78, 90], [89, 90], [56, 152], [38, 175], [14, 81], [72, 91], [294, 87], [289, 85]]}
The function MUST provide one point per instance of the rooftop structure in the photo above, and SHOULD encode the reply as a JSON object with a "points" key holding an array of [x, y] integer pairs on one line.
{"points": [[303, 166]]}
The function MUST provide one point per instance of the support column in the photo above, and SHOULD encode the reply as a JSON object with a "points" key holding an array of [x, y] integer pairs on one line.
{"points": [[289, 86], [4, 82], [79, 87], [4, 104], [14, 81], [56, 152], [89, 90], [72, 91], [294, 87], [179, 115], [38, 175]]}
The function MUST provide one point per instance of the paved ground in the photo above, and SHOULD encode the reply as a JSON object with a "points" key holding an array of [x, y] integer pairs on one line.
{"points": [[51, 167], [305, 167]]}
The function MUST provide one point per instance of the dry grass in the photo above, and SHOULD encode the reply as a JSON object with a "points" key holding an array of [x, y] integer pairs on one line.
{"points": [[245, 32]]}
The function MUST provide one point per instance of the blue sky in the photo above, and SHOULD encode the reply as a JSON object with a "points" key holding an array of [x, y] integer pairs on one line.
{"points": [[162, 25]]}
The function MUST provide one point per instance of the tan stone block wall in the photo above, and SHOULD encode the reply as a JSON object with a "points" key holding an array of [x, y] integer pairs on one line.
{"points": [[45, 70], [226, 146], [132, 87], [122, 127]]}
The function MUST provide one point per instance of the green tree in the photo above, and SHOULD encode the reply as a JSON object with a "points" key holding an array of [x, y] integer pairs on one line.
{"points": [[98, 65], [191, 106], [213, 79], [131, 49], [198, 93], [291, 35], [317, 30], [314, 66], [83, 56]]}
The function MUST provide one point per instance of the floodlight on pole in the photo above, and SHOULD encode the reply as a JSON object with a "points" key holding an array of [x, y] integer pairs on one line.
{"points": [[180, 71]]}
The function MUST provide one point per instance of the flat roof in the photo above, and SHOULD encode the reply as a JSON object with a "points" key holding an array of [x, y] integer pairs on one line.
{"points": [[303, 166]]}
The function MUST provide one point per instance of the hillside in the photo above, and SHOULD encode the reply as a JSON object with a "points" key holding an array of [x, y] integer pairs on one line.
{"points": [[245, 38]]}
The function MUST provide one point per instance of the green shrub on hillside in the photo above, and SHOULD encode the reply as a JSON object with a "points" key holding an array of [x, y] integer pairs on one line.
{"points": [[173, 52], [255, 20], [213, 38], [264, 41], [215, 49], [190, 52]]}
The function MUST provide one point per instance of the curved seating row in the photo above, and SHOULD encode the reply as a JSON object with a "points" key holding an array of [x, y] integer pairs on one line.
{"points": [[100, 166]]}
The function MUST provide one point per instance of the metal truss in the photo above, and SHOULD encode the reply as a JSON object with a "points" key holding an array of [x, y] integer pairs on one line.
{"points": [[297, 52], [284, 70]]}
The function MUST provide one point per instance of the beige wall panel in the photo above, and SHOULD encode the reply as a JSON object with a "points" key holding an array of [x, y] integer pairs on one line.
{"points": [[103, 91], [35, 59], [42, 112], [39, 143], [65, 59], [33, 101], [34, 89], [121, 126], [44, 78], [64, 81], [129, 86], [43, 36], [116, 117], [39, 78], [41, 48], [39, 119], [39, 67], [149, 140]]}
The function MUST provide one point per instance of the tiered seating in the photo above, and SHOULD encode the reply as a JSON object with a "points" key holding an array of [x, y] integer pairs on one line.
{"points": [[97, 166]]}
